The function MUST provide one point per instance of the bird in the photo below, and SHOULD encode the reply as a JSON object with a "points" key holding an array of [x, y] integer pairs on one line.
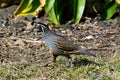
{"points": [[59, 45]]}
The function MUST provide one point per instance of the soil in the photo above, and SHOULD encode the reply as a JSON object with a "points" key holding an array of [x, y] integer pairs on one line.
{"points": [[20, 40]]}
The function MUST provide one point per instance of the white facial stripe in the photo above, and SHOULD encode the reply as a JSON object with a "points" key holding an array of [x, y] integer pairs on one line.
{"points": [[42, 28]]}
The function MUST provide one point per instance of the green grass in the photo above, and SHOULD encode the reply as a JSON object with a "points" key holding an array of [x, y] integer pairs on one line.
{"points": [[87, 68]]}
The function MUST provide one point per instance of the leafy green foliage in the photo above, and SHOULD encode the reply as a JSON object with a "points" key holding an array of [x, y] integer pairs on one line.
{"points": [[109, 9], [54, 10], [61, 11], [28, 7], [119, 9], [78, 10], [49, 5]]}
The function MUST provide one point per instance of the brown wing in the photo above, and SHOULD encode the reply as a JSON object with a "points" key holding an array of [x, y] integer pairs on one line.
{"points": [[65, 44]]}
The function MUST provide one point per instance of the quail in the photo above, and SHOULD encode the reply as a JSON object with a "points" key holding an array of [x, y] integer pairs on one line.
{"points": [[59, 45]]}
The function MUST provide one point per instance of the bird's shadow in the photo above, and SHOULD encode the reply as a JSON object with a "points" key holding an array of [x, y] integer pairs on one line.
{"points": [[84, 62]]}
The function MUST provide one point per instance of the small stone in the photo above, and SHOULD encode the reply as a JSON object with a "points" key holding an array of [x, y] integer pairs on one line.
{"points": [[89, 37], [87, 21], [63, 31]]}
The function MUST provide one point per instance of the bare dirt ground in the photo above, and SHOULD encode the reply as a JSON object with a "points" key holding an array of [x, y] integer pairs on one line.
{"points": [[22, 42]]}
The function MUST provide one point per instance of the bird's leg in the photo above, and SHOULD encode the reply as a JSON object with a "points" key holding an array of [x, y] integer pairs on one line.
{"points": [[54, 56]]}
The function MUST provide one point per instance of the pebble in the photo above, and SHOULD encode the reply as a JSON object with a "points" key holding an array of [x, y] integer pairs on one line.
{"points": [[89, 37], [63, 32]]}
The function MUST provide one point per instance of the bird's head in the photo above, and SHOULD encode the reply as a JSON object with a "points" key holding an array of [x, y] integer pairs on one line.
{"points": [[44, 28]]}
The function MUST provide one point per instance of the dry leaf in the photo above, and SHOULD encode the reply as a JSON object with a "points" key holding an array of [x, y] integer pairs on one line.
{"points": [[114, 56], [118, 1], [20, 42], [42, 2]]}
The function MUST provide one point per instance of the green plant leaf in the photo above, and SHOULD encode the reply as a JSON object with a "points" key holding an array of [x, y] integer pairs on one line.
{"points": [[78, 9], [109, 9], [27, 7], [55, 12], [119, 10], [49, 5], [53, 17]]}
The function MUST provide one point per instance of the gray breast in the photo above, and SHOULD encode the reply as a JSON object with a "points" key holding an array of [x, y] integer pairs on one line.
{"points": [[49, 40]]}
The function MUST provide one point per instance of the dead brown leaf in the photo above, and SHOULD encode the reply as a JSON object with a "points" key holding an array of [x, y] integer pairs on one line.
{"points": [[20, 42]]}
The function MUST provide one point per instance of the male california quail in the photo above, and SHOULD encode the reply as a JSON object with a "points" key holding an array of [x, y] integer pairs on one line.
{"points": [[59, 45]]}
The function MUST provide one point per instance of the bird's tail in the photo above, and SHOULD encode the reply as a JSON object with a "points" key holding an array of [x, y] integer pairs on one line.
{"points": [[85, 52]]}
